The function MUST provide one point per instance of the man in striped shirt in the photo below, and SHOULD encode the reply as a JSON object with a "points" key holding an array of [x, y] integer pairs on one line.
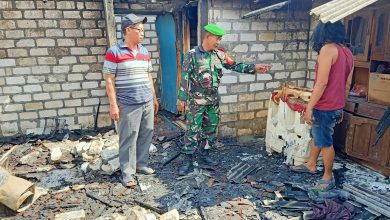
{"points": [[132, 98]]}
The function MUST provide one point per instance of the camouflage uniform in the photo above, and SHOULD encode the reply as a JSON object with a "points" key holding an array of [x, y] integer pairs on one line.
{"points": [[200, 78]]}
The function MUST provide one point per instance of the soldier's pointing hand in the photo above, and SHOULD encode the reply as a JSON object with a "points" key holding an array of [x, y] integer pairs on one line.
{"points": [[262, 68]]}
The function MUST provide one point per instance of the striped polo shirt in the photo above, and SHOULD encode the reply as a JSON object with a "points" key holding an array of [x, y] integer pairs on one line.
{"points": [[131, 69]]}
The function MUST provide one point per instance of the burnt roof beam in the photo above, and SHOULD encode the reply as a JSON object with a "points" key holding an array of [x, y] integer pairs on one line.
{"points": [[110, 22]]}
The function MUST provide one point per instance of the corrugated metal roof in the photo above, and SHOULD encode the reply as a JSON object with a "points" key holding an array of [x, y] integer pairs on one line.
{"points": [[339, 9]]}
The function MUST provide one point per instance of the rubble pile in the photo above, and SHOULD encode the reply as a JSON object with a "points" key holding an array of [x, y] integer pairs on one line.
{"points": [[97, 154], [238, 208], [78, 180]]}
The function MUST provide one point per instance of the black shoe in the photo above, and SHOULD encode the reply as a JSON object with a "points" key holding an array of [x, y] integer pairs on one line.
{"points": [[206, 159], [187, 165]]}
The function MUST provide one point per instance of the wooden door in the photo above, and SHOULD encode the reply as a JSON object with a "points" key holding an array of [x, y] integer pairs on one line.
{"points": [[358, 138], [361, 136], [358, 28], [165, 26], [380, 34]]}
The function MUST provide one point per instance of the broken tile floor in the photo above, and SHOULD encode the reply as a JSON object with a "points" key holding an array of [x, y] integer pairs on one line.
{"points": [[80, 174]]}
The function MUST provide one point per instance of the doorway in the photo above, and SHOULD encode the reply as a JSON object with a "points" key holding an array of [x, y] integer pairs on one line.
{"points": [[177, 34], [166, 32]]}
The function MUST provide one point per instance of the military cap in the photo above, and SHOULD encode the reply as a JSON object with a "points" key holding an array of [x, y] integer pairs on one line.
{"points": [[214, 29]]}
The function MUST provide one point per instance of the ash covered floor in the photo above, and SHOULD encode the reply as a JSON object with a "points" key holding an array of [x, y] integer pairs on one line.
{"points": [[79, 179]]}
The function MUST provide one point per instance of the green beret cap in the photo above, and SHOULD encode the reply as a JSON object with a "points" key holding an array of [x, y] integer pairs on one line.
{"points": [[214, 29]]}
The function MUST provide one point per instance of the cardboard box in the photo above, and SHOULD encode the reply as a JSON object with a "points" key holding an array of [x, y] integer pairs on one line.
{"points": [[379, 88]]}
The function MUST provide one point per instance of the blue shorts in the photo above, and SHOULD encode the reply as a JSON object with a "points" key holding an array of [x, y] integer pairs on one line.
{"points": [[322, 128]]}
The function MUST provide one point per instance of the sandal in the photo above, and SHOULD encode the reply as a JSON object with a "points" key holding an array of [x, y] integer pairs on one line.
{"points": [[145, 170], [302, 169], [130, 183], [330, 185]]}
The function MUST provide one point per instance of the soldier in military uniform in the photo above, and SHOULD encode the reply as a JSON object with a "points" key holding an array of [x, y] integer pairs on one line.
{"points": [[200, 78]]}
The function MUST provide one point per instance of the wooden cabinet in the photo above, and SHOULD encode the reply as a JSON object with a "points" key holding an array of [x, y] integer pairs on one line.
{"points": [[358, 27], [380, 39], [356, 134], [360, 141], [368, 37], [368, 34], [370, 110]]}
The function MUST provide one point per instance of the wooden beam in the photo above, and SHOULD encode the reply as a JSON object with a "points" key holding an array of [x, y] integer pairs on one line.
{"points": [[371, 202], [186, 35], [5, 158], [179, 42], [203, 18], [110, 22], [139, 12]]}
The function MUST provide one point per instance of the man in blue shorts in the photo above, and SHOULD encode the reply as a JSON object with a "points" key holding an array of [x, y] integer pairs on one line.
{"points": [[334, 69]]}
